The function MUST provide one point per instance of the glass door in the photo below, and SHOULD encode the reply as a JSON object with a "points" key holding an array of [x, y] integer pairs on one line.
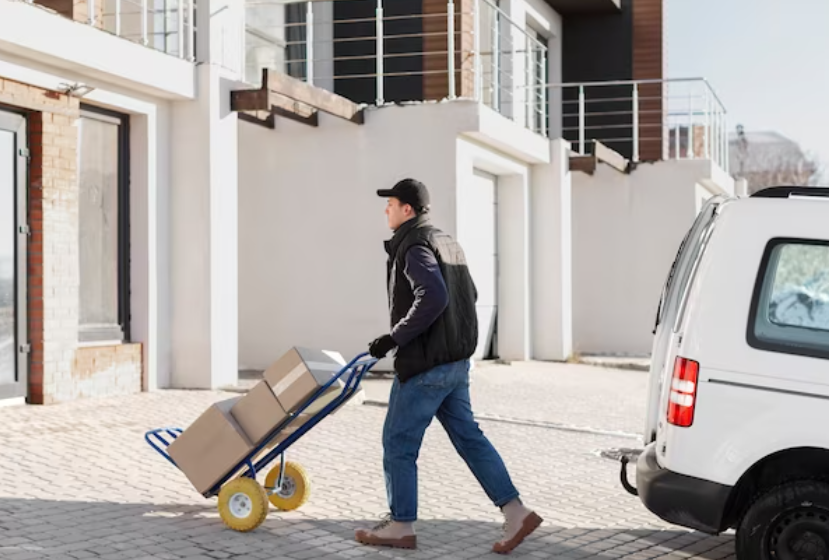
{"points": [[13, 238]]}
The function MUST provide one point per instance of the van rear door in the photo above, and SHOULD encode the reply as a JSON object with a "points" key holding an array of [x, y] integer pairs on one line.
{"points": [[670, 303]]}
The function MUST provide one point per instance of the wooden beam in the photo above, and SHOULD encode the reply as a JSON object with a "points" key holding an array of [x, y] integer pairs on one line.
{"points": [[318, 98], [288, 97], [585, 164], [255, 118], [249, 100], [611, 157], [310, 120], [600, 153]]}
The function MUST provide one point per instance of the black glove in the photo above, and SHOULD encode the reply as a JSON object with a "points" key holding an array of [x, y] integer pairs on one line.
{"points": [[379, 347]]}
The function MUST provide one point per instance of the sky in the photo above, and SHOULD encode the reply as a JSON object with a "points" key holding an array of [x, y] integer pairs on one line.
{"points": [[768, 60]]}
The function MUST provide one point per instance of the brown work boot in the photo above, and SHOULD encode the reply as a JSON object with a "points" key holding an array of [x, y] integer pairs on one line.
{"points": [[520, 523], [391, 533]]}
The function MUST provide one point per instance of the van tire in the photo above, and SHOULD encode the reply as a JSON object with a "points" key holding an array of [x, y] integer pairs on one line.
{"points": [[788, 518]]}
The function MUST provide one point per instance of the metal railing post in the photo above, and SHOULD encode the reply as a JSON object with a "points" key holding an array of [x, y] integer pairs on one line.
{"points": [[309, 43], [144, 26], [529, 85], [677, 145], [689, 152], [716, 136], [180, 7], [380, 79], [706, 137], [479, 83], [496, 61], [544, 91], [117, 18], [635, 108], [450, 33], [191, 15], [581, 119], [724, 163]]}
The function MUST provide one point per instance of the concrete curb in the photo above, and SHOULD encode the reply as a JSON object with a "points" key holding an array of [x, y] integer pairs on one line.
{"points": [[616, 363], [535, 423]]}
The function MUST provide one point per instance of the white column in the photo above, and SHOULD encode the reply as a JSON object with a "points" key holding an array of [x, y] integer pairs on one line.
{"points": [[204, 208], [514, 342], [552, 310], [146, 264]]}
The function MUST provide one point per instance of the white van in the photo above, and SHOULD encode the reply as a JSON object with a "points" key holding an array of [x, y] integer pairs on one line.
{"points": [[737, 430]]}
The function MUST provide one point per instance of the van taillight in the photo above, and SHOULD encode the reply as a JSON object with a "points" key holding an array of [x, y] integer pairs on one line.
{"points": [[683, 397]]}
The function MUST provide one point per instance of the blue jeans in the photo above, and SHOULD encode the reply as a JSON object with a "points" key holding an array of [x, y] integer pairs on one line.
{"points": [[442, 392]]}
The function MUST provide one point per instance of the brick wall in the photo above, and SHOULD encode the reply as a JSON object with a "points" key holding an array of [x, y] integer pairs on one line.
{"points": [[435, 44], [58, 369], [76, 9]]}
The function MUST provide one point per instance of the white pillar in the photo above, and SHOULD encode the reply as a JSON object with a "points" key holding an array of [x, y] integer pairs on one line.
{"points": [[149, 240], [514, 267], [741, 188], [552, 310], [204, 208]]}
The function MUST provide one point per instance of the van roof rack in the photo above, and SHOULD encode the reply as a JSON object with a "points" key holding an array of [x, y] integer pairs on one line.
{"points": [[787, 192]]}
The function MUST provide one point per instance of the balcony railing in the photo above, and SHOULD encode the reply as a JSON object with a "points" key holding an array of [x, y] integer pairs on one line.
{"points": [[164, 25], [647, 119], [377, 53]]}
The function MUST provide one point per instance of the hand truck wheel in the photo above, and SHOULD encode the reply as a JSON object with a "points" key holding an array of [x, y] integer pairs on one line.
{"points": [[243, 504], [294, 489]]}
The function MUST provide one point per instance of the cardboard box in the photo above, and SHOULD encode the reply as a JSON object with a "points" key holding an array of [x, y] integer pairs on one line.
{"points": [[258, 412], [212, 446], [300, 373], [295, 424]]}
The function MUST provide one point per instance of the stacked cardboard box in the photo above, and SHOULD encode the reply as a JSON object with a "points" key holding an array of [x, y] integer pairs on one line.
{"points": [[230, 430]]}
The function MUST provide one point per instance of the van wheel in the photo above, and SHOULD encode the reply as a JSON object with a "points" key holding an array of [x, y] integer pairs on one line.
{"points": [[789, 522]]}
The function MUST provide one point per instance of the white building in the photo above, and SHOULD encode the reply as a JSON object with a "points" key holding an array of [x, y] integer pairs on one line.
{"points": [[182, 214]]}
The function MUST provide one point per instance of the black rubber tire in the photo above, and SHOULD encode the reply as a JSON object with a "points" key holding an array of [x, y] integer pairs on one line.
{"points": [[772, 524]]}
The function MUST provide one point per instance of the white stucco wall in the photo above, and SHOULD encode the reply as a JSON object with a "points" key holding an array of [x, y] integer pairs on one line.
{"points": [[626, 231], [311, 258], [551, 256], [204, 213]]}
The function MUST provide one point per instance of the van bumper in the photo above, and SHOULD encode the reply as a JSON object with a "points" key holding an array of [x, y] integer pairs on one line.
{"points": [[679, 499]]}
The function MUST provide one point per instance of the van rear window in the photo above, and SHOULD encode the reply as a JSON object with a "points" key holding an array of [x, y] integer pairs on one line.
{"points": [[790, 311]]}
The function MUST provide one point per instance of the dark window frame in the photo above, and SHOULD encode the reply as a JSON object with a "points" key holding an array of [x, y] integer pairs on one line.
{"points": [[762, 294], [124, 316]]}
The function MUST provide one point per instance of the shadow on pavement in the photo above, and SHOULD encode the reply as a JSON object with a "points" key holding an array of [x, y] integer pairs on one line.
{"points": [[72, 529]]}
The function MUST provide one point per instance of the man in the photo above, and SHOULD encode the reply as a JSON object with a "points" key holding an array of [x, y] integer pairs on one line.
{"points": [[434, 330]]}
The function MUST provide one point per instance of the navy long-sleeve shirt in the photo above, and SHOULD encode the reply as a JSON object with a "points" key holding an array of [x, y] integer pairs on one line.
{"points": [[431, 295]]}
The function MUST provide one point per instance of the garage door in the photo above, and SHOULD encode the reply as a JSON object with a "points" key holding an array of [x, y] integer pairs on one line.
{"points": [[477, 234]]}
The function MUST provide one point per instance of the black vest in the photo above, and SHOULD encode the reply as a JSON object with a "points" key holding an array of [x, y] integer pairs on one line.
{"points": [[454, 335]]}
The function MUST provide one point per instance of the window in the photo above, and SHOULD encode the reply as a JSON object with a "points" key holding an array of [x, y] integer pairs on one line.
{"points": [[103, 232], [537, 60], [790, 311]]}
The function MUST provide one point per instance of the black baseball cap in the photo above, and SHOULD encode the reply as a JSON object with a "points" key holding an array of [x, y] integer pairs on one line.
{"points": [[409, 191]]}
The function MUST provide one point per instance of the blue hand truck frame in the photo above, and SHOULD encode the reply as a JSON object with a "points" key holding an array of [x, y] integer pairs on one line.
{"points": [[358, 367]]}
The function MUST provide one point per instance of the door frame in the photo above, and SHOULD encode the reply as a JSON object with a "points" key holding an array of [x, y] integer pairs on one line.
{"points": [[15, 122], [490, 349]]}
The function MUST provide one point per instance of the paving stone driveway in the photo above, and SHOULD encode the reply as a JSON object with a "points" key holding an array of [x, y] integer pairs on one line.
{"points": [[78, 481]]}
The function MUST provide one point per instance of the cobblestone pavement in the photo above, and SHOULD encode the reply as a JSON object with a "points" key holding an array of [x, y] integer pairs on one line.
{"points": [[565, 394], [78, 481]]}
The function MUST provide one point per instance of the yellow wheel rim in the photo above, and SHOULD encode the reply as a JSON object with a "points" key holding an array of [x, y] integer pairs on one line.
{"points": [[243, 504], [295, 487]]}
